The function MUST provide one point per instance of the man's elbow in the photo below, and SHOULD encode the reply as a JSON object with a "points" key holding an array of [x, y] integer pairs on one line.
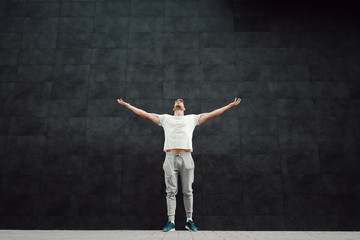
{"points": [[204, 118], [211, 115]]}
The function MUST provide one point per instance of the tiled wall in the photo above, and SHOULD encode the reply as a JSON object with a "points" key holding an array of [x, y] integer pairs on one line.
{"points": [[285, 158]]}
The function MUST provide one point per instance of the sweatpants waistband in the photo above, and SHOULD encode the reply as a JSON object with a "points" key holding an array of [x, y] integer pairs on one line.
{"points": [[182, 153]]}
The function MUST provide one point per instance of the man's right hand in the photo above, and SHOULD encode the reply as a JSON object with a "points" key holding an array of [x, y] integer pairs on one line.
{"points": [[122, 102]]}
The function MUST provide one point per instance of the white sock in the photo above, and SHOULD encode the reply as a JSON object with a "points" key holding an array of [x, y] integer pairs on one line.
{"points": [[187, 219]]}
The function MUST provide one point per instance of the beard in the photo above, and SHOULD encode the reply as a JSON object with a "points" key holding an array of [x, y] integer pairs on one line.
{"points": [[177, 108]]}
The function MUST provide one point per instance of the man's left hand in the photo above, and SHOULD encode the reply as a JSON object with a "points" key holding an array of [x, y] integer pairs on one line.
{"points": [[236, 102]]}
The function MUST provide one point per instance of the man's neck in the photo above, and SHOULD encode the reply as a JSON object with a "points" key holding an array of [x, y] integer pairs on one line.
{"points": [[178, 113]]}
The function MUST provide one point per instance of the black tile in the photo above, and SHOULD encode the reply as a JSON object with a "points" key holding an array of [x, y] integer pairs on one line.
{"points": [[110, 40], [145, 73], [340, 183], [68, 108], [18, 186], [30, 107], [147, 8], [59, 145], [141, 183], [60, 184], [24, 145], [19, 205], [309, 222], [259, 143], [42, 24], [252, 39], [65, 164], [104, 184], [302, 184], [217, 56], [103, 72], [102, 145], [181, 24], [219, 222], [77, 9], [145, 24], [216, 205], [12, 9], [62, 205], [8, 73], [42, 9], [251, 24], [263, 204], [222, 184], [73, 56], [61, 222], [181, 40], [74, 40], [181, 56], [119, 8], [29, 125], [145, 40], [66, 126], [341, 204], [108, 56], [216, 8], [10, 56], [71, 72], [145, 55], [301, 163], [77, 24], [181, 9], [69, 90], [10, 40], [216, 24], [260, 163], [99, 205], [185, 89]]}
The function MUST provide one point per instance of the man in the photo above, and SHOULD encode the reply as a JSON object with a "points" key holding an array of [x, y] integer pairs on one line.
{"points": [[178, 131]]}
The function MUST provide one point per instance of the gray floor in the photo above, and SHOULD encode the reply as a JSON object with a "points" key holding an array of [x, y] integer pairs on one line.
{"points": [[180, 234]]}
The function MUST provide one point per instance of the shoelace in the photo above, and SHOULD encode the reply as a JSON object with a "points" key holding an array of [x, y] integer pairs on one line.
{"points": [[169, 224], [191, 224]]}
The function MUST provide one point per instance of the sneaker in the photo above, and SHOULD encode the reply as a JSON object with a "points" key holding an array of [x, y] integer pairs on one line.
{"points": [[191, 226], [169, 227]]}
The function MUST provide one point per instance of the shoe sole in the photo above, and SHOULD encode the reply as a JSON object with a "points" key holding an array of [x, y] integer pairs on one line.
{"points": [[187, 227], [171, 230]]}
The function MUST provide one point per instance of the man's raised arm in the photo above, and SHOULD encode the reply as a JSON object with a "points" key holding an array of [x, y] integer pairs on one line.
{"points": [[217, 112], [152, 116]]}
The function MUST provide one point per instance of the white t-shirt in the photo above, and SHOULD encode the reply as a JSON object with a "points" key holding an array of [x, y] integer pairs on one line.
{"points": [[178, 130]]}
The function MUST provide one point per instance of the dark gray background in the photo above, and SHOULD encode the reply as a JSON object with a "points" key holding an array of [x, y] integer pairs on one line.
{"points": [[285, 158]]}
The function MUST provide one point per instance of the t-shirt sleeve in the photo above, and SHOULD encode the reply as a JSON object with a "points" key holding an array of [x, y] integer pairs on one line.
{"points": [[196, 118], [161, 118]]}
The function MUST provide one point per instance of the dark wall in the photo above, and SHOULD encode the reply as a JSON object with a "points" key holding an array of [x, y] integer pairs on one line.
{"points": [[285, 158]]}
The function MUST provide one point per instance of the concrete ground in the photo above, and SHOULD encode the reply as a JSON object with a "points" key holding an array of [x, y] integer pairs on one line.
{"points": [[180, 234]]}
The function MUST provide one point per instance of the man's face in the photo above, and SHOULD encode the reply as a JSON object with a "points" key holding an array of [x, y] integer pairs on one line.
{"points": [[179, 105]]}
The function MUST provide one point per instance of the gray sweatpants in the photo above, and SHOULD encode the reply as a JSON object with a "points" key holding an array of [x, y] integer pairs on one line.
{"points": [[175, 164]]}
